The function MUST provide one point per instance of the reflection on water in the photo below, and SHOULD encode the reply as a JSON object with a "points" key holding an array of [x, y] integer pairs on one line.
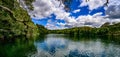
{"points": [[18, 49], [56, 45], [60, 45], [51, 47]]}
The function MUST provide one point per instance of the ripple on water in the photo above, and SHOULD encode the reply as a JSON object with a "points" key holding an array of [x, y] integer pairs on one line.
{"points": [[61, 46]]}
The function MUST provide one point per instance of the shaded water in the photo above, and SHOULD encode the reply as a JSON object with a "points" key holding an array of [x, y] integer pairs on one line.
{"points": [[60, 45]]}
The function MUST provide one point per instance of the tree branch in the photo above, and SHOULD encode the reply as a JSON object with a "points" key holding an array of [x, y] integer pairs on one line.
{"points": [[5, 8], [12, 15]]}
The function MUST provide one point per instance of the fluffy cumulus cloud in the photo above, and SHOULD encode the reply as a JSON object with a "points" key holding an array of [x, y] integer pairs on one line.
{"points": [[113, 10], [51, 25], [87, 20], [114, 2], [55, 25], [44, 8], [93, 4]]}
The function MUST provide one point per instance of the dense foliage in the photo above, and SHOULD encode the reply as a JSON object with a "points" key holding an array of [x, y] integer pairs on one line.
{"points": [[105, 29], [15, 21], [42, 30]]}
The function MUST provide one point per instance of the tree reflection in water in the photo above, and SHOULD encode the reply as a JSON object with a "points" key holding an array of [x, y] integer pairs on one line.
{"points": [[60, 46]]}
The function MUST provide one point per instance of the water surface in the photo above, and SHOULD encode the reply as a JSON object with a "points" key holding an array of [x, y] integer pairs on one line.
{"points": [[60, 45]]}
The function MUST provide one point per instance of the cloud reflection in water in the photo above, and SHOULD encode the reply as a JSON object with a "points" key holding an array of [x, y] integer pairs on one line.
{"points": [[60, 47]]}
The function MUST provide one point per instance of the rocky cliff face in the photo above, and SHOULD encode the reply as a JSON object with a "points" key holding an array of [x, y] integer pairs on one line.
{"points": [[15, 21]]}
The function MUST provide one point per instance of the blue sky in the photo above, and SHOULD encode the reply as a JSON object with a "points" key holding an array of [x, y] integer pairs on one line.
{"points": [[75, 5], [52, 16]]}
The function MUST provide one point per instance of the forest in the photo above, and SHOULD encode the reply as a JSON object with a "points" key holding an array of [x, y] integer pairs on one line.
{"points": [[105, 29], [16, 22]]}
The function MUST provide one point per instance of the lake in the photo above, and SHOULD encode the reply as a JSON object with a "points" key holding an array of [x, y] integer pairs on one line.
{"points": [[61, 45]]}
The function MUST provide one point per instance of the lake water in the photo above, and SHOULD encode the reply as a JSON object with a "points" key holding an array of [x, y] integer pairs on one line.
{"points": [[60, 45]]}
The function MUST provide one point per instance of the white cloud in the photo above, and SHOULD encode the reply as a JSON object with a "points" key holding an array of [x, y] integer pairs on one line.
{"points": [[53, 25], [113, 12], [61, 14], [93, 4], [95, 20], [75, 11], [114, 2], [50, 25], [44, 8], [97, 14]]}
